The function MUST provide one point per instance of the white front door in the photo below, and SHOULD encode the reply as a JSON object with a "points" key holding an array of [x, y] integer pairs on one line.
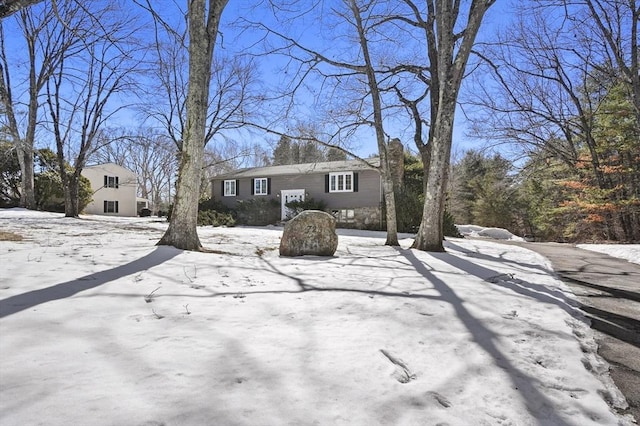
{"points": [[287, 196]]}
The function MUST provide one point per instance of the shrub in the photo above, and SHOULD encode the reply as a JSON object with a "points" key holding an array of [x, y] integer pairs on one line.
{"points": [[211, 204], [50, 192], [298, 207], [257, 211], [449, 227], [214, 218], [409, 206]]}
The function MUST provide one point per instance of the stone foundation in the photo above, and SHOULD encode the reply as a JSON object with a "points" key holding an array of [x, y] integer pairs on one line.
{"points": [[359, 218]]}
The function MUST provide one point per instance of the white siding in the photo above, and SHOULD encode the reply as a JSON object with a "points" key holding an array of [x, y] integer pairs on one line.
{"points": [[124, 194]]}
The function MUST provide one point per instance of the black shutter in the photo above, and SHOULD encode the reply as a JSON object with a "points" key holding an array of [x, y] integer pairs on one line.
{"points": [[355, 182], [116, 206], [268, 186], [117, 181], [106, 205], [222, 189], [253, 187], [105, 182], [237, 187], [326, 183]]}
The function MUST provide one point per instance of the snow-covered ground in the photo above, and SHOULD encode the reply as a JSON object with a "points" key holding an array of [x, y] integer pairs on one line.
{"points": [[98, 326], [630, 252]]}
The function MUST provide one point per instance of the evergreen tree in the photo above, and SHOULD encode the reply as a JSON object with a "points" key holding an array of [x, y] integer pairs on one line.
{"points": [[334, 154], [484, 193], [310, 152], [282, 152], [9, 176]]}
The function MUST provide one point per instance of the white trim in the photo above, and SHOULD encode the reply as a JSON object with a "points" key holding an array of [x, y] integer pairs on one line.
{"points": [[230, 189], [260, 186], [341, 182], [287, 195]]}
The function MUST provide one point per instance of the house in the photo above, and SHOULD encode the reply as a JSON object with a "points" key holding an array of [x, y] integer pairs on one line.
{"points": [[114, 190], [351, 189]]}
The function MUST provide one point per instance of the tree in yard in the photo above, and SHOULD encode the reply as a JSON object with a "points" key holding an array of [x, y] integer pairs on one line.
{"points": [[50, 191], [449, 32], [43, 51], [83, 85], [203, 21]]}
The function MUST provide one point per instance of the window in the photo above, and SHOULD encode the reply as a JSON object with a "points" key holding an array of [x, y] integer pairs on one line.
{"points": [[229, 188], [110, 181], [345, 215], [341, 182], [111, 206], [260, 186]]}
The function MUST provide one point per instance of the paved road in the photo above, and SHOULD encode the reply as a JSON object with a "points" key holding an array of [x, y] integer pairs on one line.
{"points": [[609, 291]]}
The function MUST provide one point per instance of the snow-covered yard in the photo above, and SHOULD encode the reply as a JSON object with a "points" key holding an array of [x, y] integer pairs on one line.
{"points": [[98, 326]]}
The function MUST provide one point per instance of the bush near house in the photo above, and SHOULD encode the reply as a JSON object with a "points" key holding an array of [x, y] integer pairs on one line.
{"points": [[298, 207], [214, 218], [257, 212]]}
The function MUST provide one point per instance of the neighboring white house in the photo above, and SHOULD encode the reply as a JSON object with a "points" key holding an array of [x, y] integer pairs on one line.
{"points": [[114, 190]]}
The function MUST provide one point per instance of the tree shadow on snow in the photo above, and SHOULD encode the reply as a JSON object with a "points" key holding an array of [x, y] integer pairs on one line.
{"points": [[535, 400], [21, 302], [536, 291]]}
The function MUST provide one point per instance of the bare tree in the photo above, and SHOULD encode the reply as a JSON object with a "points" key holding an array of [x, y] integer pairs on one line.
{"points": [[611, 27], [449, 33], [82, 87], [203, 24], [44, 51], [232, 95]]}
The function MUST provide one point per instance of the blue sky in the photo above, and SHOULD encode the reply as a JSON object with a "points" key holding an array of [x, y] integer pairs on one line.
{"points": [[233, 41]]}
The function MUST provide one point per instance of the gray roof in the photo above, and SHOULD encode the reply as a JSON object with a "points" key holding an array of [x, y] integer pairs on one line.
{"points": [[298, 169]]}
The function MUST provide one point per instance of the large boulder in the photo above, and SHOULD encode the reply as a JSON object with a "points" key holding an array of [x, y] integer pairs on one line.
{"points": [[312, 232]]}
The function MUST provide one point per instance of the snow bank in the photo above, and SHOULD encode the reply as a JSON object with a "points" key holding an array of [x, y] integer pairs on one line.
{"points": [[493, 233]]}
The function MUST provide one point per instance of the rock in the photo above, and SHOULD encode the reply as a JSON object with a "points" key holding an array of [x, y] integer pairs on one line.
{"points": [[312, 232]]}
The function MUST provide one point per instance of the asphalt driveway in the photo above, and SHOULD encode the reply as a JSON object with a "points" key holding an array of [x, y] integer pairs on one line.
{"points": [[609, 291]]}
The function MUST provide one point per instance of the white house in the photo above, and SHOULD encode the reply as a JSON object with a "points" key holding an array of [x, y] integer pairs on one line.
{"points": [[114, 190]]}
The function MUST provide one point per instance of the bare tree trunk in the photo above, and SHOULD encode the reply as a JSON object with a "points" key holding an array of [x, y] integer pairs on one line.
{"points": [[448, 49], [24, 147], [374, 93], [27, 188], [203, 29], [71, 195], [436, 162]]}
